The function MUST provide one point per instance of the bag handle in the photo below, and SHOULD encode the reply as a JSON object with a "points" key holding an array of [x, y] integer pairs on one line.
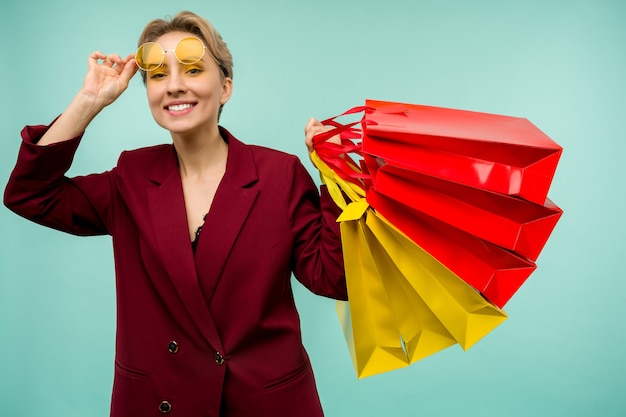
{"points": [[336, 156]]}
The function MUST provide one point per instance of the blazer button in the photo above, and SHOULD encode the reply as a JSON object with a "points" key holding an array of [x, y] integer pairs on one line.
{"points": [[172, 346], [219, 359], [165, 407]]}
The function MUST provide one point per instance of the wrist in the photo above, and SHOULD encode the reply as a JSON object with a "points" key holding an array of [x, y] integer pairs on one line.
{"points": [[86, 105]]}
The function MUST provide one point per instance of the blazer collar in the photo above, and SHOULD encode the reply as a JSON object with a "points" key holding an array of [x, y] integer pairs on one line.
{"points": [[240, 166], [233, 201], [195, 278]]}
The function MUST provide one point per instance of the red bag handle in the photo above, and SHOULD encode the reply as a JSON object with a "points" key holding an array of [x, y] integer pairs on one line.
{"points": [[336, 156]]}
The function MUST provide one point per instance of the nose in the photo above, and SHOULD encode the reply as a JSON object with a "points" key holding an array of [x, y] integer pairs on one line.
{"points": [[175, 83]]}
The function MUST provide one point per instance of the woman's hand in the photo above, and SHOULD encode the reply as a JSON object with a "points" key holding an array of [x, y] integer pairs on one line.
{"points": [[312, 128], [107, 77]]}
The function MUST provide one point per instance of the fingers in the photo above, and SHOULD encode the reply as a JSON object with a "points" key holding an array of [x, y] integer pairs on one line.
{"points": [[108, 76], [95, 57], [129, 69], [124, 68], [111, 60], [315, 127], [312, 121], [312, 128]]}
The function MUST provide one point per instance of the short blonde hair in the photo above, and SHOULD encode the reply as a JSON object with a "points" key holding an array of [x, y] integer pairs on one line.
{"points": [[190, 22]]}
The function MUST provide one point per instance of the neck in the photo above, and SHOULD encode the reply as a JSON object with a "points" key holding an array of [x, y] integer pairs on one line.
{"points": [[201, 154]]}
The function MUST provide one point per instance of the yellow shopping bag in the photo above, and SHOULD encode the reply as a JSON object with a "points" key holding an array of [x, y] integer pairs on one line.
{"points": [[369, 324], [421, 331], [461, 309], [403, 304]]}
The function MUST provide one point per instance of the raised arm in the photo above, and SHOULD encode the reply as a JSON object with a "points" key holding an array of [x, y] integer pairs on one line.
{"points": [[107, 78], [38, 189]]}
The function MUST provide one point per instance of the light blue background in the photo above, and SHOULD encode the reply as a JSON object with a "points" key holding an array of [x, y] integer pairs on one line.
{"points": [[562, 64]]}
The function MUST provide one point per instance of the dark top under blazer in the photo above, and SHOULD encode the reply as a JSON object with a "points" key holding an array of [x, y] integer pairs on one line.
{"points": [[229, 310]]}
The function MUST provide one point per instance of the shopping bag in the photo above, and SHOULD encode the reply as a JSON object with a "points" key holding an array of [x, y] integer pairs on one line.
{"points": [[494, 271], [391, 321], [465, 314], [421, 333], [440, 227], [504, 154], [513, 223], [371, 332], [368, 320]]}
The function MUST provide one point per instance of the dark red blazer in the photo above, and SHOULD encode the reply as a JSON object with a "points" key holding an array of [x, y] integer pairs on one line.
{"points": [[215, 334]]}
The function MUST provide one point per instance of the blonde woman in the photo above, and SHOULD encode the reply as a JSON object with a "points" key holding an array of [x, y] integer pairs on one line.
{"points": [[206, 232]]}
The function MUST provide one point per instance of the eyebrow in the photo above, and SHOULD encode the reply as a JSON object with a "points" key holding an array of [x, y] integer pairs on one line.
{"points": [[180, 63]]}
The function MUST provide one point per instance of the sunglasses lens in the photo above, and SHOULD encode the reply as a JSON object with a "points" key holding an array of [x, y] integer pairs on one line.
{"points": [[149, 56], [189, 50]]}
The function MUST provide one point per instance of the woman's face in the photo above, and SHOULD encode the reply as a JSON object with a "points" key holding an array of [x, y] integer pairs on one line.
{"points": [[185, 98]]}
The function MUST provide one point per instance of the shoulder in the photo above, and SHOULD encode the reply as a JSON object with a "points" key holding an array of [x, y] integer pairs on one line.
{"points": [[144, 157], [278, 165], [261, 154], [146, 153]]}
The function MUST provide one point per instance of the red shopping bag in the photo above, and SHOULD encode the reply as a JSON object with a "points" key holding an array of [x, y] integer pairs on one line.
{"points": [[469, 188], [504, 154], [494, 271], [510, 222]]}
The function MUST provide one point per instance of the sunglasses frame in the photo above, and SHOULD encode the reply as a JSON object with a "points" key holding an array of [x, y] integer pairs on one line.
{"points": [[164, 51]]}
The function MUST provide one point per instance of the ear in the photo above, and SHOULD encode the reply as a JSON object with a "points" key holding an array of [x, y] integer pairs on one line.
{"points": [[227, 90]]}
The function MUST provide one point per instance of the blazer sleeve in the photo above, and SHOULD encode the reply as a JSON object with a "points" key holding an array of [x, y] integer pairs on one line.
{"points": [[317, 254], [38, 189]]}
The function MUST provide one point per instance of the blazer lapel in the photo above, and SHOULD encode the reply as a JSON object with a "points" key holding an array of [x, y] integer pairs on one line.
{"points": [[169, 221], [232, 203]]}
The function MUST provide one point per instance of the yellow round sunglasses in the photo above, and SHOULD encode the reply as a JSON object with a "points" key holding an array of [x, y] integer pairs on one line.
{"points": [[189, 50]]}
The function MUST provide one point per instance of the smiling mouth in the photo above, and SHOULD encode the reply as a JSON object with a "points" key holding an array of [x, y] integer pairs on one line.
{"points": [[179, 107]]}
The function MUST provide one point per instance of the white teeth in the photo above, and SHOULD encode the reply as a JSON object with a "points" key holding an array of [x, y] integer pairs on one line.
{"points": [[179, 107]]}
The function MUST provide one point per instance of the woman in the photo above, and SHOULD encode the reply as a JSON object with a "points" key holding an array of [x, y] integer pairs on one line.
{"points": [[206, 233]]}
